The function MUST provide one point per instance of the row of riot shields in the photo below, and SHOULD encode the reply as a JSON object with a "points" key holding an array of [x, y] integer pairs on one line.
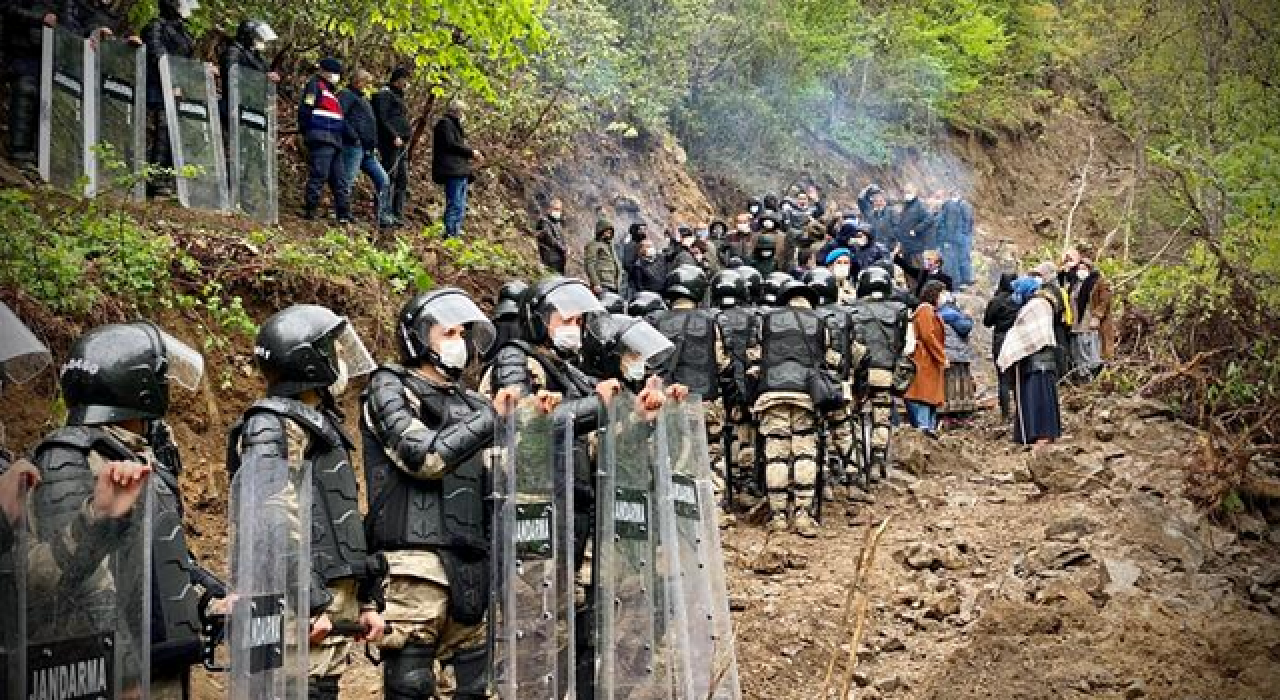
{"points": [[661, 622], [93, 126]]}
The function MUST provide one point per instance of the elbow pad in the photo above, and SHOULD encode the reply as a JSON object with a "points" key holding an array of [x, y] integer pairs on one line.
{"points": [[461, 441]]}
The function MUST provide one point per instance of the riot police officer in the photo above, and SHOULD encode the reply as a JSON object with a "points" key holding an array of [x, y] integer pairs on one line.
{"points": [[545, 363], [308, 354], [425, 439], [116, 384], [881, 324], [739, 322], [165, 35], [646, 305], [506, 317]]}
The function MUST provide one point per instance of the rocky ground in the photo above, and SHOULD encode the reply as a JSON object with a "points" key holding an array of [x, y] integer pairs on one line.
{"points": [[1077, 572]]}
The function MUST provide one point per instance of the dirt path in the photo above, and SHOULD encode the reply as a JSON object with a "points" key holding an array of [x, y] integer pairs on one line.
{"points": [[1080, 573]]}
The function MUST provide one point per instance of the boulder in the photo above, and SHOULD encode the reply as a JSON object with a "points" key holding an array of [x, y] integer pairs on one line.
{"points": [[1056, 471], [1119, 576]]}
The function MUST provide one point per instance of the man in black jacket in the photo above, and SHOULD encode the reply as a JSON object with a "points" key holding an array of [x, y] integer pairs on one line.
{"points": [[165, 35], [552, 248], [452, 165], [999, 316], [360, 152], [394, 132], [648, 273]]}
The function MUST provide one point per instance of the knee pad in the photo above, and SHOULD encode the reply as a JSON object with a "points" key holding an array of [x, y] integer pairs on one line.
{"points": [[322, 688], [777, 476], [806, 473], [409, 674], [471, 669]]}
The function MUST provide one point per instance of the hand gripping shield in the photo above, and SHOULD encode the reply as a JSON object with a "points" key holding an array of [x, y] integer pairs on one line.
{"points": [[531, 616], [706, 660], [66, 109], [195, 132], [88, 594], [270, 557], [630, 662], [251, 127], [120, 131]]}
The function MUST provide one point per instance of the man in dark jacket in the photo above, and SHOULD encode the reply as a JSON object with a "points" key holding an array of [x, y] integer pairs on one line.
{"points": [[552, 248], [324, 128], [680, 250], [252, 37], [929, 270], [166, 35], [628, 251], [955, 237], [999, 316], [648, 273], [914, 229], [360, 152], [394, 132], [453, 165], [22, 27]]}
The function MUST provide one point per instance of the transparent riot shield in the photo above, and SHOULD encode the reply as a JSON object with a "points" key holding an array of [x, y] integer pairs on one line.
{"points": [[13, 583], [630, 663], [195, 132], [251, 126], [120, 132], [270, 577], [706, 660], [66, 109], [88, 590], [532, 607]]}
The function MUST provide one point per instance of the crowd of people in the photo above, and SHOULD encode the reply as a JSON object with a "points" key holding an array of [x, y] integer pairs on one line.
{"points": [[347, 128]]}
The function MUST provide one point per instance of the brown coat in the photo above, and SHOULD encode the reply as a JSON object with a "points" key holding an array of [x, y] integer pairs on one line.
{"points": [[930, 357], [1100, 307]]}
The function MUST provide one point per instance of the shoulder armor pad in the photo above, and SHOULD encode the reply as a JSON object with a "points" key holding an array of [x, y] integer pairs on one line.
{"points": [[310, 418]]}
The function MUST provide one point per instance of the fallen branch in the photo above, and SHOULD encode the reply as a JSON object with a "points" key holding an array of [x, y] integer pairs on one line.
{"points": [[856, 601], [1187, 369], [1071, 215], [1128, 279]]}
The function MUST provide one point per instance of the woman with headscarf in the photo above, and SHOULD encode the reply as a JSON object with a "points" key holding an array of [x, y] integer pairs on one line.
{"points": [[1030, 352], [928, 391], [999, 316], [957, 325]]}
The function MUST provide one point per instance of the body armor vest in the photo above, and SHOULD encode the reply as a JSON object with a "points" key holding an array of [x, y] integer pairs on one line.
{"points": [[881, 326], [738, 329], [409, 513], [839, 324], [338, 548], [792, 346], [693, 332]]}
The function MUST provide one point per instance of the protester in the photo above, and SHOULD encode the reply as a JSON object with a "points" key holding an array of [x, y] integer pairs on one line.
{"points": [[840, 262], [1090, 295], [957, 326], [1063, 317], [1030, 352], [453, 165], [394, 133], [324, 130], [604, 271], [914, 233], [999, 316], [552, 248], [680, 248], [930, 270], [955, 238], [360, 154], [649, 271], [928, 390]]}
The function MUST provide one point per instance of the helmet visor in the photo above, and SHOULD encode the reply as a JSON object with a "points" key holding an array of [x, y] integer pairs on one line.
{"points": [[458, 310], [22, 355], [573, 299], [644, 340], [351, 351], [186, 365]]}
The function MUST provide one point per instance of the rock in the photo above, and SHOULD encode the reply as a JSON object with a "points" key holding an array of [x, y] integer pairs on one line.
{"points": [[1260, 595], [943, 606], [862, 678], [1058, 556], [889, 684], [921, 556], [1104, 431], [1070, 529], [1119, 576], [1021, 474], [892, 644], [1251, 528], [1055, 471], [1135, 689], [951, 559]]}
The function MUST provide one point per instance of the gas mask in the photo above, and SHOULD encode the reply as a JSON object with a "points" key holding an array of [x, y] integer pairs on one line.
{"points": [[567, 338]]}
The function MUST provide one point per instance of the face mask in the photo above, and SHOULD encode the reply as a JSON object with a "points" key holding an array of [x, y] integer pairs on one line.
{"points": [[768, 225], [567, 338], [633, 371], [1083, 273], [764, 254], [687, 242], [333, 78], [841, 272], [339, 385], [259, 45], [453, 353], [554, 216], [860, 241], [648, 255], [703, 233], [754, 210], [744, 228]]}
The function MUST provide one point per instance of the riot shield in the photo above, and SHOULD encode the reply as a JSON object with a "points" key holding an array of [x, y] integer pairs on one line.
{"points": [[195, 132], [706, 662], [630, 663], [120, 132], [270, 577], [13, 583], [531, 618], [88, 589], [66, 109], [251, 126]]}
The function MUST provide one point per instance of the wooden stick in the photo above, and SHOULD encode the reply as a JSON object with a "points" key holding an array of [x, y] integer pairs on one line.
{"points": [[855, 599], [1084, 179], [849, 599], [863, 602]]}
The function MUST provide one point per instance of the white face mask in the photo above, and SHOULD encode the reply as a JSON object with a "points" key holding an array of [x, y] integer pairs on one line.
{"points": [[768, 224], [633, 371], [1083, 273], [860, 241], [339, 385], [259, 45], [453, 353], [841, 272], [744, 228], [567, 338]]}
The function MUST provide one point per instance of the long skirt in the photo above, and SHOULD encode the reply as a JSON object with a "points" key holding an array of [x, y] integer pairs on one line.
{"points": [[960, 389], [1036, 395]]}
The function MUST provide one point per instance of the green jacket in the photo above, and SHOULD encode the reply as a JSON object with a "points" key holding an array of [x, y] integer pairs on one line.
{"points": [[601, 261]]}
